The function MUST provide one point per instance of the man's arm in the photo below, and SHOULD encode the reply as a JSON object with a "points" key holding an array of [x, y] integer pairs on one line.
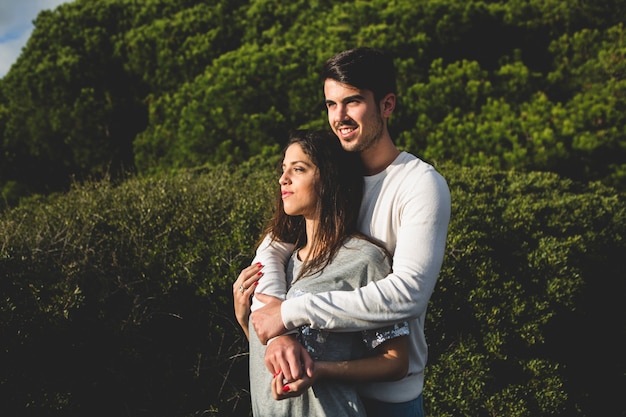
{"points": [[267, 321], [403, 294], [389, 364], [273, 255]]}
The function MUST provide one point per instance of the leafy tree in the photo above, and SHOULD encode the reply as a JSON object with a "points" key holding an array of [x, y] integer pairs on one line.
{"points": [[593, 63], [236, 108], [542, 78], [73, 110], [175, 41], [574, 128]]}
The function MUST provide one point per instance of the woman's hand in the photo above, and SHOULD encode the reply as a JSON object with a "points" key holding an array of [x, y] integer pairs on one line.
{"points": [[243, 290], [281, 389]]}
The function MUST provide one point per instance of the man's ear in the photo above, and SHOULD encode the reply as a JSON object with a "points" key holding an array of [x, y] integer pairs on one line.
{"points": [[388, 104]]}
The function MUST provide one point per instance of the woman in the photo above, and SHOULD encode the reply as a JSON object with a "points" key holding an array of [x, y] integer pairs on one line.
{"points": [[320, 194]]}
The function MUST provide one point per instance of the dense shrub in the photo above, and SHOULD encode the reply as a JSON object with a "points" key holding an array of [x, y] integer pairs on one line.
{"points": [[116, 299], [119, 296], [533, 268]]}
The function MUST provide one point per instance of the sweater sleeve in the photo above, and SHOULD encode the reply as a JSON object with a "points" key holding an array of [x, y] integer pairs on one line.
{"points": [[402, 295], [273, 255]]}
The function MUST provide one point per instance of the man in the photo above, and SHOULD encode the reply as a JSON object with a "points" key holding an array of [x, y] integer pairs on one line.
{"points": [[406, 206]]}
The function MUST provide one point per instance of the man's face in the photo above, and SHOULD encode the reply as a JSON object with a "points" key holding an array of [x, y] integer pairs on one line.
{"points": [[353, 115]]}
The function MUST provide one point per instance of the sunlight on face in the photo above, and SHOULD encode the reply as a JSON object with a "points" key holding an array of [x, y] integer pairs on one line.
{"points": [[297, 183]]}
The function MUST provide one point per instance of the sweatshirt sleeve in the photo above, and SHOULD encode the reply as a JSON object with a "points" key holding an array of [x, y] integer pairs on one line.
{"points": [[273, 255], [403, 294]]}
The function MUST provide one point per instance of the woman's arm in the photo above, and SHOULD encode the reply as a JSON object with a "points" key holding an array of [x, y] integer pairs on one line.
{"points": [[271, 256], [390, 363], [243, 290]]}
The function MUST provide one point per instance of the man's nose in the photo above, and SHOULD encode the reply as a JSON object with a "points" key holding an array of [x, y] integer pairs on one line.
{"points": [[339, 114]]}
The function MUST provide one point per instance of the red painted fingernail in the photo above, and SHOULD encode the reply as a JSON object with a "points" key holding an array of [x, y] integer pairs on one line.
{"points": [[259, 264], [259, 273], [256, 283], [286, 388]]}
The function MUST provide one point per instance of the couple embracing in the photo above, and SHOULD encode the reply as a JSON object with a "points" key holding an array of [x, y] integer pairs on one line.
{"points": [[335, 300]]}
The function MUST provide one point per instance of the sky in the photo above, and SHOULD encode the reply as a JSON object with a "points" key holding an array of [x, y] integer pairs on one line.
{"points": [[16, 25]]}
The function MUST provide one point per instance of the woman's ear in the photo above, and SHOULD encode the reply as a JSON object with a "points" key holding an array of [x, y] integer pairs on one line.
{"points": [[388, 104]]}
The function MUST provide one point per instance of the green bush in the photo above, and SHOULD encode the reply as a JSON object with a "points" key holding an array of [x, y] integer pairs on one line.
{"points": [[532, 270], [116, 300], [120, 296]]}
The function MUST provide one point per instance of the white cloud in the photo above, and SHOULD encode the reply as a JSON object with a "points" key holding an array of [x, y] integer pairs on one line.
{"points": [[16, 25]]}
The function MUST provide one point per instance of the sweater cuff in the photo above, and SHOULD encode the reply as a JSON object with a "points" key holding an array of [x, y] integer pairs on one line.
{"points": [[293, 311]]}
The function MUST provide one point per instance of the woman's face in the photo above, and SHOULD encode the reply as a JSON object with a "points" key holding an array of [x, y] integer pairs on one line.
{"points": [[297, 183]]}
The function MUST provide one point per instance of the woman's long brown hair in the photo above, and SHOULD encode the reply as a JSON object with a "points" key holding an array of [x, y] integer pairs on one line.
{"points": [[339, 190]]}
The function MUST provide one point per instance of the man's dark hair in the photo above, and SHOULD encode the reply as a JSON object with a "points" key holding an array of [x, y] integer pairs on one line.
{"points": [[364, 68]]}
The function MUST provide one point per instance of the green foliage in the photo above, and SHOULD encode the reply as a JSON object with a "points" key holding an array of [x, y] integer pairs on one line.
{"points": [[525, 255], [595, 61], [72, 109], [118, 85], [174, 41], [130, 284], [230, 112], [573, 125], [120, 296]]}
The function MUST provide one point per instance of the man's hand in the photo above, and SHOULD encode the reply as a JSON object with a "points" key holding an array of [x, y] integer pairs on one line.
{"points": [[267, 320], [285, 355]]}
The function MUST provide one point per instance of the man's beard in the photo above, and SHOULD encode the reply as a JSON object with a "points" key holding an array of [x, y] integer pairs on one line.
{"points": [[365, 141]]}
